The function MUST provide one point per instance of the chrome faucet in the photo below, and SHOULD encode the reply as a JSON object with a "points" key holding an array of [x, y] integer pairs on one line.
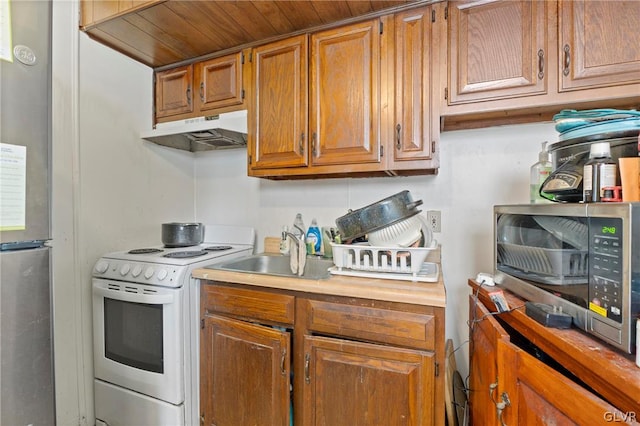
{"points": [[295, 237], [299, 254], [286, 234]]}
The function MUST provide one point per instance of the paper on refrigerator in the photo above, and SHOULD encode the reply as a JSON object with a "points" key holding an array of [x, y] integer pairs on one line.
{"points": [[13, 186], [5, 31]]}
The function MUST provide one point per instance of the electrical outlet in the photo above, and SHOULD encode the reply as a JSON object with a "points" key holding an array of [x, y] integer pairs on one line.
{"points": [[433, 219]]}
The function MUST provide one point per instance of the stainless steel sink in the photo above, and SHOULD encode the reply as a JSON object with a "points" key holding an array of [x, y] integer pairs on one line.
{"points": [[315, 268]]}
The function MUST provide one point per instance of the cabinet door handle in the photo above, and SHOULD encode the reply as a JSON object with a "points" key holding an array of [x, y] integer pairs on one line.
{"points": [[314, 144], [302, 143], [283, 359], [189, 95], [492, 387], [500, 405], [567, 59], [540, 64], [398, 137], [202, 91], [307, 360]]}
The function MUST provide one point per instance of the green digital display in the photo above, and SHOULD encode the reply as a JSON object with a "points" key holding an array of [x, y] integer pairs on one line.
{"points": [[608, 229]]}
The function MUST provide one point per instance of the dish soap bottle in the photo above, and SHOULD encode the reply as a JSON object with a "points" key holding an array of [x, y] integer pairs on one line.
{"points": [[599, 172], [540, 171], [314, 239]]}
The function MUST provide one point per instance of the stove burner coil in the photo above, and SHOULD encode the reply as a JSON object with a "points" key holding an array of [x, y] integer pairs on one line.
{"points": [[185, 254], [145, 251], [218, 248]]}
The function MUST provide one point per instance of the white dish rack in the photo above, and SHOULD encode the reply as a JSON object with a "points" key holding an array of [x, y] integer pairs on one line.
{"points": [[397, 263]]}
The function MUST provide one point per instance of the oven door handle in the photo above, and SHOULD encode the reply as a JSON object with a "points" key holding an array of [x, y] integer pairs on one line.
{"points": [[149, 299]]}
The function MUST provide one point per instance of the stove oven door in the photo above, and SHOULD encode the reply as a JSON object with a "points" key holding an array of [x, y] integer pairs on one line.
{"points": [[138, 338]]}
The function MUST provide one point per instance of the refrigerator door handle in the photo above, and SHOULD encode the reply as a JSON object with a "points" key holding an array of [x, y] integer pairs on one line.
{"points": [[22, 245]]}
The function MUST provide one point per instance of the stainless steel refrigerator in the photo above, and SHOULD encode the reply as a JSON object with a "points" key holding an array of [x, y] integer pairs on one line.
{"points": [[26, 343]]}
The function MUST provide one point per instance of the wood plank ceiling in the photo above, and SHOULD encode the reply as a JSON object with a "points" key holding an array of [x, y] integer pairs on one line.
{"points": [[167, 32]]}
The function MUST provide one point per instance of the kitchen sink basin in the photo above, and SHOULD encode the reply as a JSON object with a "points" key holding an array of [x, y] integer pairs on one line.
{"points": [[315, 268]]}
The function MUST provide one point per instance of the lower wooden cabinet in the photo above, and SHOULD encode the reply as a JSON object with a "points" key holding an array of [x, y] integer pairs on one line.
{"points": [[514, 382], [355, 383], [247, 370], [346, 361]]}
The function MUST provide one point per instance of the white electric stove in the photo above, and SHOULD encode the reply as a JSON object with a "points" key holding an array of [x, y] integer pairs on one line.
{"points": [[146, 328]]}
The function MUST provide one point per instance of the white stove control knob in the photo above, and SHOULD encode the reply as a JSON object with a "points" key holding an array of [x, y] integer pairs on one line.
{"points": [[136, 271], [162, 274], [124, 269], [148, 273], [102, 266]]}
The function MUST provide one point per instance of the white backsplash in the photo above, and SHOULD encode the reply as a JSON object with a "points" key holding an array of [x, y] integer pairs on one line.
{"points": [[479, 168]]}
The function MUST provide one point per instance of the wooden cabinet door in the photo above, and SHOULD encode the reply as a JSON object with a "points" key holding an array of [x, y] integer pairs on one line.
{"points": [[497, 49], [598, 42], [244, 373], [352, 383], [219, 82], [413, 85], [344, 100], [484, 372], [279, 137], [537, 395], [509, 386], [174, 94]]}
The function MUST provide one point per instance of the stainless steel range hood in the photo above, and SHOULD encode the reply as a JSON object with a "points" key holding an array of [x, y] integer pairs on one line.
{"points": [[223, 131]]}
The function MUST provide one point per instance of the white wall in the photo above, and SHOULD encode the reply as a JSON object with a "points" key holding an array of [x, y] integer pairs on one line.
{"points": [[479, 168], [110, 190]]}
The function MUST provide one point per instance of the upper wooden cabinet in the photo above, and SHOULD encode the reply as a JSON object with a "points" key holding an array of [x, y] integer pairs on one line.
{"points": [[337, 130], [517, 61], [219, 82], [200, 89], [413, 143], [352, 100], [163, 32], [279, 119], [344, 114], [599, 43], [498, 49], [174, 92], [94, 11], [488, 62]]}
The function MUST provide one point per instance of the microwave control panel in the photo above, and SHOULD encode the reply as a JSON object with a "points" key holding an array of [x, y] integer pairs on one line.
{"points": [[605, 267]]}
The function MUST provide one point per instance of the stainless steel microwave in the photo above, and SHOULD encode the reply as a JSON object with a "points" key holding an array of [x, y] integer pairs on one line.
{"points": [[582, 258]]}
